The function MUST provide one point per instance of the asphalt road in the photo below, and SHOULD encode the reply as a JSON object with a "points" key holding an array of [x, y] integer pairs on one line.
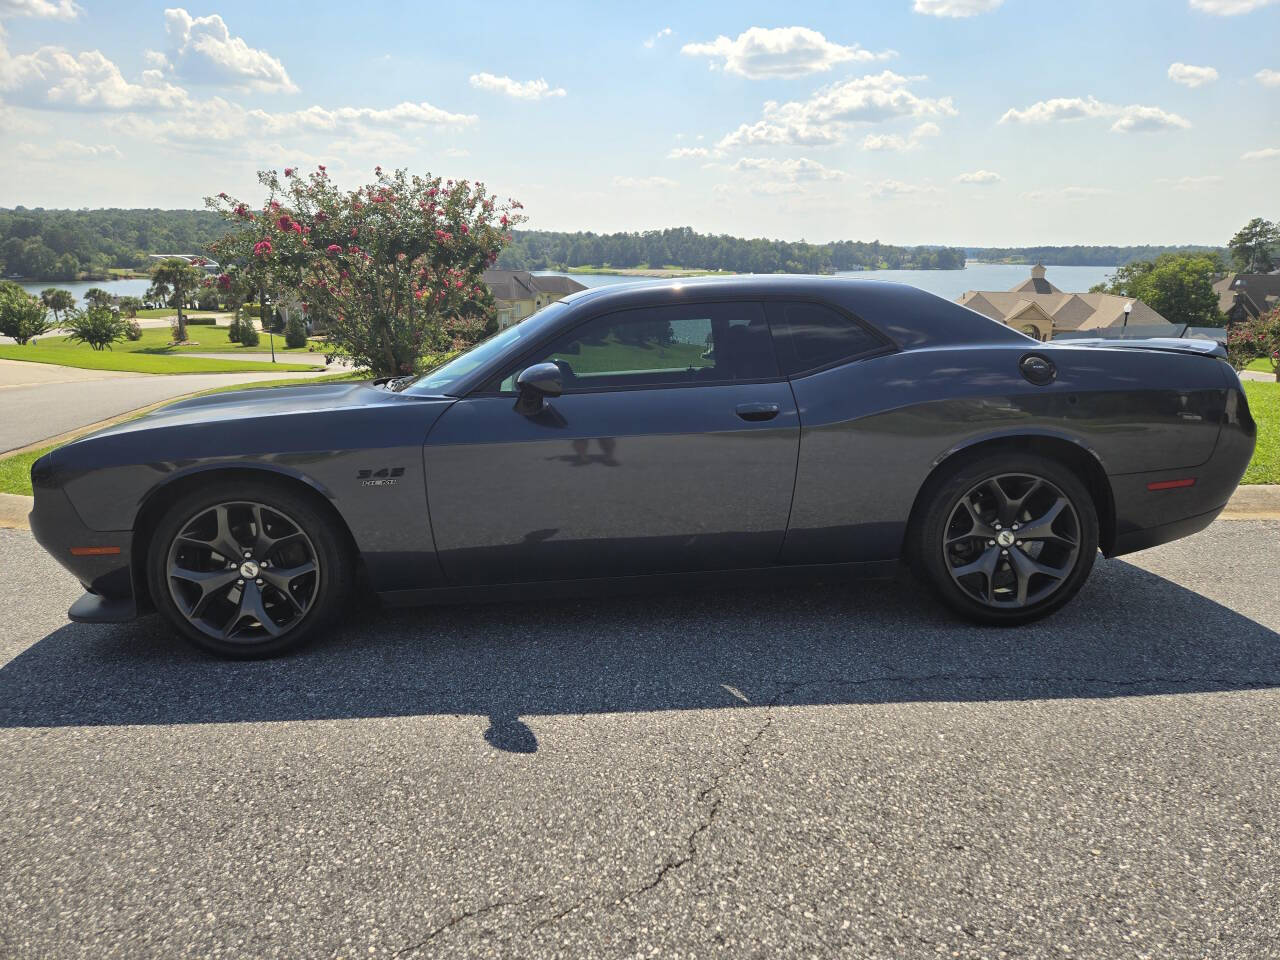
{"points": [[30, 412], [817, 771]]}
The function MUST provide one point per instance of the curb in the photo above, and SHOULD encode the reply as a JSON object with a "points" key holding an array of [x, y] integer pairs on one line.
{"points": [[1254, 502]]}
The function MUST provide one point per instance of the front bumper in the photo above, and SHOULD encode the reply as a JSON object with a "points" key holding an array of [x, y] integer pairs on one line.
{"points": [[108, 578]]}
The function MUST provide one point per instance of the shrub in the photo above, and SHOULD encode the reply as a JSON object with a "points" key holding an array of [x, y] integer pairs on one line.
{"points": [[202, 321], [273, 323], [97, 325], [249, 334], [22, 316], [295, 332], [133, 330], [207, 299], [233, 329]]}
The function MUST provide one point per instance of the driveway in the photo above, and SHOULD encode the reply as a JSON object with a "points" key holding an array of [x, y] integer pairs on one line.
{"points": [[35, 406], [816, 771]]}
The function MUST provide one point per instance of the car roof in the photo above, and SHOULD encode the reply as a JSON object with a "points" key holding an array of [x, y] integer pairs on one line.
{"points": [[911, 317]]}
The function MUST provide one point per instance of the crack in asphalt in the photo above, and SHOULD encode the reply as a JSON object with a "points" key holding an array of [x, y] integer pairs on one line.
{"points": [[466, 915], [713, 794]]}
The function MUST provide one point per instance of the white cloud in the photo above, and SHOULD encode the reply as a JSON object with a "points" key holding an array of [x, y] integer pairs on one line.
{"points": [[1268, 78], [678, 153], [897, 188], [1066, 193], [217, 120], [1191, 76], [53, 77], [1189, 183], [1266, 153], [792, 170], [1134, 118], [522, 90], [1139, 119], [896, 142], [57, 9], [664, 32], [202, 50], [1230, 8], [457, 152], [642, 183], [779, 52], [955, 8], [979, 177], [825, 116], [67, 149]]}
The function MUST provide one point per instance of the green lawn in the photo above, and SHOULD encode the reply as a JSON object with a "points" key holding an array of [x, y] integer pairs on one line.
{"points": [[1264, 403], [153, 313], [137, 362], [152, 353], [208, 339], [1262, 364], [15, 471]]}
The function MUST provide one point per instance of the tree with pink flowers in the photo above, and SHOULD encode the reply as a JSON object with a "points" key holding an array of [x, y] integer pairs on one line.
{"points": [[395, 267]]}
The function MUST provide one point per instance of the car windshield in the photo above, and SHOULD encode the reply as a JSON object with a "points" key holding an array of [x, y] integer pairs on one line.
{"points": [[446, 377]]}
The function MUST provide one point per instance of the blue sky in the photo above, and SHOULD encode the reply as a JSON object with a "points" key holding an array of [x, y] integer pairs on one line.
{"points": [[912, 121]]}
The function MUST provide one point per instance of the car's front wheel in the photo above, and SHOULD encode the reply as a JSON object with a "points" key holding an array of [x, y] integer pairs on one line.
{"points": [[1007, 539], [246, 569]]}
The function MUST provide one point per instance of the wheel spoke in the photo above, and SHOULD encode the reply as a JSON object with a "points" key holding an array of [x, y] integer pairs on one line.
{"points": [[210, 582], [224, 542], [1041, 528], [251, 606], [978, 528], [282, 579], [264, 543], [1024, 568], [985, 565]]}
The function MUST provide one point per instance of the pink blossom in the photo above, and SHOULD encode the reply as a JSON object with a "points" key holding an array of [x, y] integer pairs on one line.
{"points": [[464, 228], [296, 227], [222, 195], [333, 248], [284, 222], [355, 231], [275, 204], [224, 281], [320, 167], [504, 221], [262, 248], [288, 171]]}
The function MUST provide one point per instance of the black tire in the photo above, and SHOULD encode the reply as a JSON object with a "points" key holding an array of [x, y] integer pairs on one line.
{"points": [[1005, 586], [280, 531]]}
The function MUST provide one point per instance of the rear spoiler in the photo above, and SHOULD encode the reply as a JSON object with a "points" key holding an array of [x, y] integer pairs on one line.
{"points": [[1206, 348]]}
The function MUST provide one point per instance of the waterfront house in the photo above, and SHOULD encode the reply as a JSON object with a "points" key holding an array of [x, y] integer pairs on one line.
{"points": [[518, 293], [1245, 296], [1039, 309]]}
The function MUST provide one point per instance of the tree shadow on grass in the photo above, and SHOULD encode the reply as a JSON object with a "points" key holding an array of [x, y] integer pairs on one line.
{"points": [[1129, 633]]}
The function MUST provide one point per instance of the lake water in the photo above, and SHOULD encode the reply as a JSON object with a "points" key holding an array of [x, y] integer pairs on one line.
{"points": [[945, 283]]}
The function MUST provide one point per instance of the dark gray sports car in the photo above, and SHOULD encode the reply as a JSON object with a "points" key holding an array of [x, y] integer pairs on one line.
{"points": [[766, 426]]}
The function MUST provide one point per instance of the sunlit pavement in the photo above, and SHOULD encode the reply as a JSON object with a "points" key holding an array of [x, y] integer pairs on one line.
{"points": [[816, 771]]}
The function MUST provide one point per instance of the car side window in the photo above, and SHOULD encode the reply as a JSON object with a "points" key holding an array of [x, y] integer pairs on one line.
{"points": [[677, 345], [811, 336]]}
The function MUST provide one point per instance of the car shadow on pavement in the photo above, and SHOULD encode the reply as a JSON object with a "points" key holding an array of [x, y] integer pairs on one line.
{"points": [[1129, 633]]}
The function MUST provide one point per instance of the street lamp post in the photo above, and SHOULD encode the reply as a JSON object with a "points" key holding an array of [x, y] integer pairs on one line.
{"points": [[1128, 309]]}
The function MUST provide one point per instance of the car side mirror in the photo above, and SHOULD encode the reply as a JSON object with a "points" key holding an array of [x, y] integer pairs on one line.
{"points": [[535, 384]]}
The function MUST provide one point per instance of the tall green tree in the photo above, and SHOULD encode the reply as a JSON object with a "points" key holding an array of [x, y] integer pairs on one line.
{"points": [[57, 300], [172, 282], [1254, 247], [98, 297], [1179, 287], [22, 316]]}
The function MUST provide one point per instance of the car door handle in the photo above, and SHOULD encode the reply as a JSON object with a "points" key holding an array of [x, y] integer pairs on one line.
{"points": [[755, 412]]}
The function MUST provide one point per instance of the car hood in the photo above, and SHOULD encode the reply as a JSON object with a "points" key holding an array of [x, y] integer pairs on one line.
{"points": [[265, 402]]}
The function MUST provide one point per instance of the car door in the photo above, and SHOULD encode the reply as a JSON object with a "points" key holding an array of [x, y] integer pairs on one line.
{"points": [[672, 448]]}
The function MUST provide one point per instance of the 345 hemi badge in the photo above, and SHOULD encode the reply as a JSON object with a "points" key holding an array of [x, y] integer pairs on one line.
{"points": [[386, 477]]}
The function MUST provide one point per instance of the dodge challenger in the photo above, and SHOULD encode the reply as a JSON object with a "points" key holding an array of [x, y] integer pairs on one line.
{"points": [[642, 433]]}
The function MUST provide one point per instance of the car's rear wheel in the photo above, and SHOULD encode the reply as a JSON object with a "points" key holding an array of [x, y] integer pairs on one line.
{"points": [[247, 569], [1007, 539]]}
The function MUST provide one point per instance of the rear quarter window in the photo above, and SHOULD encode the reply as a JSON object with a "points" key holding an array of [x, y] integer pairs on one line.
{"points": [[811, 336]]}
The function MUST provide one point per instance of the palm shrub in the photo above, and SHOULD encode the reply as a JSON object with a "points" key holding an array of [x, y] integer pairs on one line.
{"points": [[97, 325], [58, 300], [22, 316]]}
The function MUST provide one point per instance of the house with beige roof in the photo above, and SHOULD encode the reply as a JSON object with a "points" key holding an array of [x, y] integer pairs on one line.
{"points": [[518, 293], [1246, 296], [1039, 309]]}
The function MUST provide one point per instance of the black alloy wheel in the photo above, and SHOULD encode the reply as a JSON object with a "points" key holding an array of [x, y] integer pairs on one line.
{"points": [[1006, 539], [246, 576]]}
